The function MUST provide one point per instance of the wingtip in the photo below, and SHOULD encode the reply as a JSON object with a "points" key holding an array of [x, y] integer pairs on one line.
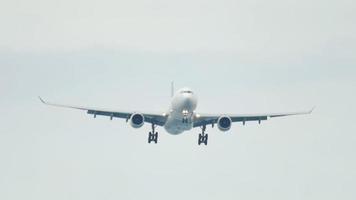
{"points": [[311, 110], [41, 100]]}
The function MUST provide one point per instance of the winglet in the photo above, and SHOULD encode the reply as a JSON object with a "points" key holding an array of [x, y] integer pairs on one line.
{"points": [[311, 110], [42, 100]]}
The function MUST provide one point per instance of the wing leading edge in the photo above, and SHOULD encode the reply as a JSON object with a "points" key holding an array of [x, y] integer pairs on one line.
{"points": [[155, 118]]}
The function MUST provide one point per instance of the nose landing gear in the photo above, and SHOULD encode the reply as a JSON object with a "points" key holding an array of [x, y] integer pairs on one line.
{"points": [[203, 137], [153, 136], [185, 120]]}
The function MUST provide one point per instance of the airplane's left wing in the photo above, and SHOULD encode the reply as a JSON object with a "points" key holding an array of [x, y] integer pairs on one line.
{"points": [[155, 118], [206, 119]]}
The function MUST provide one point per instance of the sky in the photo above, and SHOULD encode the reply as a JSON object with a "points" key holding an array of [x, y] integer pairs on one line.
{"points": [[238, 56]]}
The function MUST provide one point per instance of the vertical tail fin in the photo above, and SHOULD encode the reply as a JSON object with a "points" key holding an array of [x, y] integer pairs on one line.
{"points": [[172, 88]]}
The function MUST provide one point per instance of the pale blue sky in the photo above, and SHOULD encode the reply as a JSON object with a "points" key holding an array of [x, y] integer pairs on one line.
{"points": [[238, 56]]}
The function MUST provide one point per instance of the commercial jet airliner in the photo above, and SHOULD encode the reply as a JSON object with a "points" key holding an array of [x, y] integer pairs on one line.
{"points": [[180, 117]]}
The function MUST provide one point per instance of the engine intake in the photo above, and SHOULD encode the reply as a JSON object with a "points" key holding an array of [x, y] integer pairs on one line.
{"points": [[224, 123], [137, 120]]}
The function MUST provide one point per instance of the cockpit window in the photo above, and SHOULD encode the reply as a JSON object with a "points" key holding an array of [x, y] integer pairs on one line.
{"points": [[187, 92]]}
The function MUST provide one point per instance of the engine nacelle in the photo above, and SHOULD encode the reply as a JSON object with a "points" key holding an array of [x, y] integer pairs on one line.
{"points": [[224, 123], [137, 120]]}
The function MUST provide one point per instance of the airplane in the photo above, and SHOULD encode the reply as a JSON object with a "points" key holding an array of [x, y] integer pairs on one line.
{"points": [[180, 117]]}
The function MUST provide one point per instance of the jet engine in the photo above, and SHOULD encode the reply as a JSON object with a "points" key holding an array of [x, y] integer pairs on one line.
{"points": [[137, 120], [224, 123]]}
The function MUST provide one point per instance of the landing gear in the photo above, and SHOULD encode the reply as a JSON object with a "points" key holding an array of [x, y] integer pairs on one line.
{"points": [[203, 137], [185, 120], [153, 136]]}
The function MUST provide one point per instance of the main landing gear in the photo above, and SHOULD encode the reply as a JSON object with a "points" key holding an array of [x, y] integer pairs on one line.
{"points": [[203, 137], [153, 136]]}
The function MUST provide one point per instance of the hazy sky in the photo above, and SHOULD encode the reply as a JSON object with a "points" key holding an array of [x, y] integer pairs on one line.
{"points": [[238, 56]]}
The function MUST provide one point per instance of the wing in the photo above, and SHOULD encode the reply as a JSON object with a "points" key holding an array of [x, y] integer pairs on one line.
{"points": [[155, 118], [206, 119]]}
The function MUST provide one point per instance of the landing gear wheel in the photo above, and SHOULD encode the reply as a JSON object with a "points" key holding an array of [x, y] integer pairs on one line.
{"points": [[156, 137], [153, 136], [203, 137], [149, 137], [200, 139], [206, 139]]}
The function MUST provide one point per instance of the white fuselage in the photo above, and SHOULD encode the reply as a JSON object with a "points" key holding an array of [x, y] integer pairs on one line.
{"points": [[181, 113]]}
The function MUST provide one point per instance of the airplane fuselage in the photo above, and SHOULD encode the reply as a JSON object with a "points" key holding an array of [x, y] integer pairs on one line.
{"points": [[181, 112]]}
